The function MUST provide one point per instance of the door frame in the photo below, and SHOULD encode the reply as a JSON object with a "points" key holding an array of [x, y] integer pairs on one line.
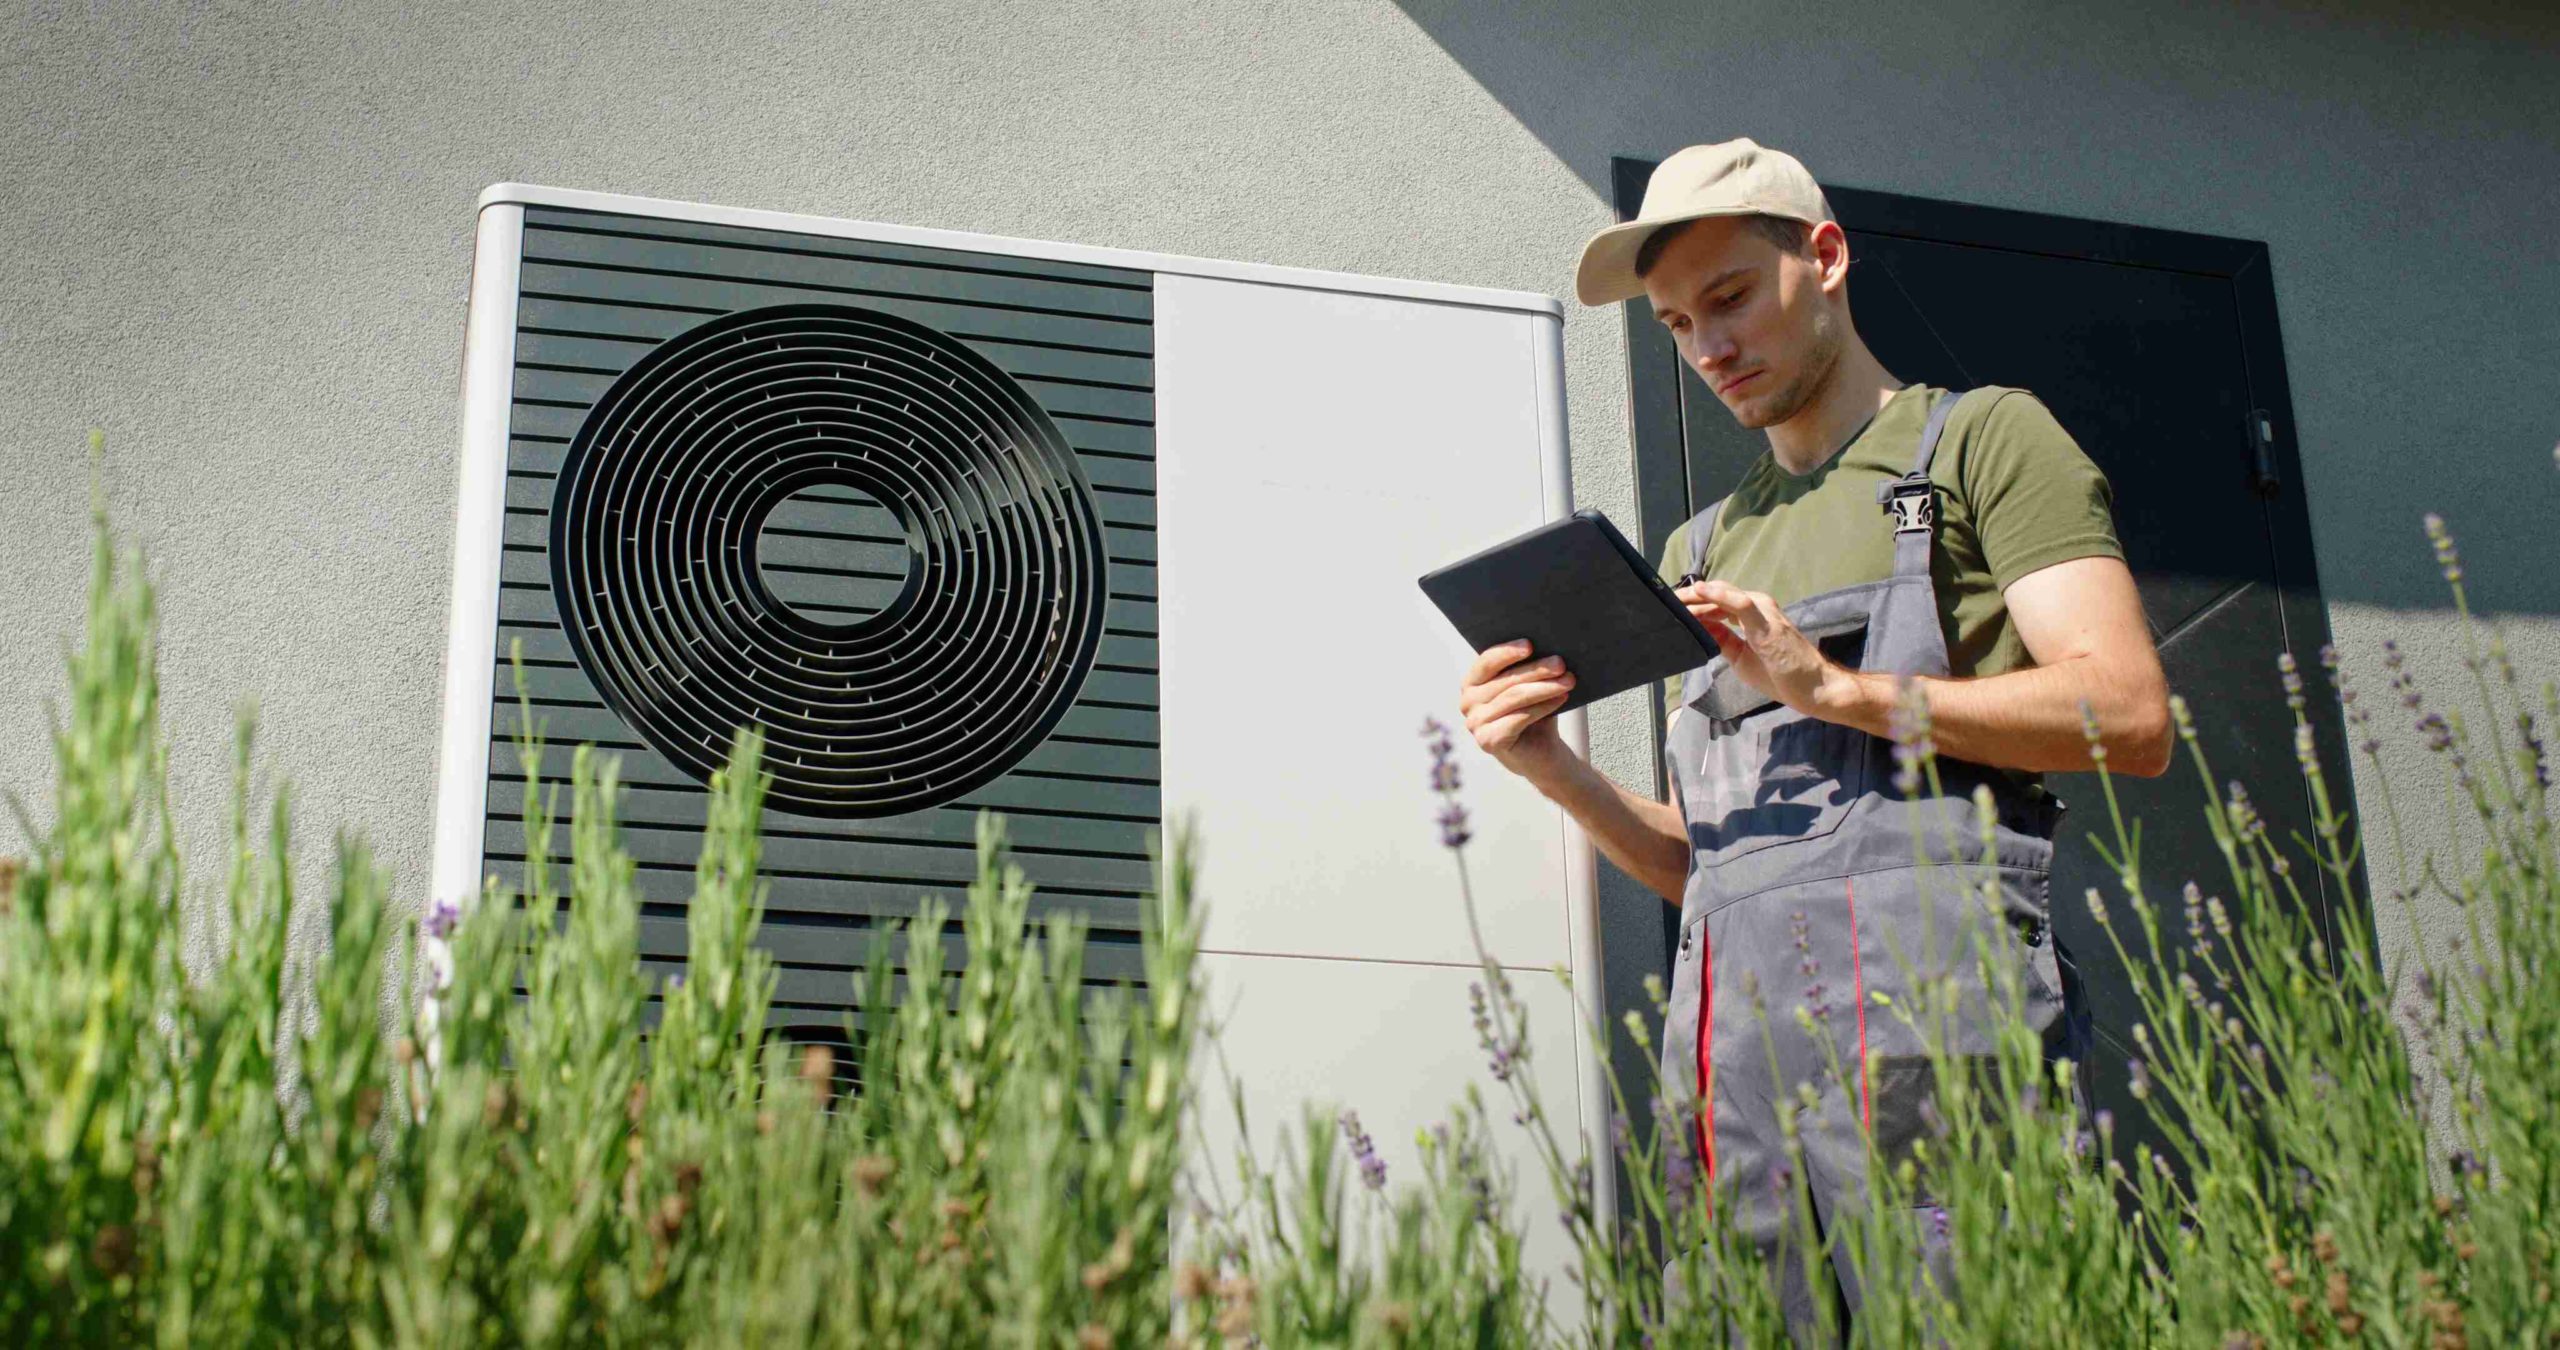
{"points": [[1660, 440]]}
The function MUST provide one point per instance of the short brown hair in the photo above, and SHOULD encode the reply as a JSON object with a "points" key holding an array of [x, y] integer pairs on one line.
{"points": [[1789, 236]]}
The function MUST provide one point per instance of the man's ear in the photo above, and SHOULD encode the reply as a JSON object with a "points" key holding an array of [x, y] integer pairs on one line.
{"points": [[1830, 248]]}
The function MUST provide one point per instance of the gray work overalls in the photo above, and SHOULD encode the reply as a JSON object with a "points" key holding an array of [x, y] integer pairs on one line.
{"points": [[1805, 890]]}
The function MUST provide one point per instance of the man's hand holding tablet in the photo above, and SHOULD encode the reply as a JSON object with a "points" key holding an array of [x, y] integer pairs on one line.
{"points": [[1510, 697]]}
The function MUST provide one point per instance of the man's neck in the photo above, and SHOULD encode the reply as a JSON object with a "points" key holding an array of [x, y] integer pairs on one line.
{"points": [[1858, 389]]}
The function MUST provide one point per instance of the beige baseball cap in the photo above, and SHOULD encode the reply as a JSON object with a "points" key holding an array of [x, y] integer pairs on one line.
{"points": [[1732, 178]]}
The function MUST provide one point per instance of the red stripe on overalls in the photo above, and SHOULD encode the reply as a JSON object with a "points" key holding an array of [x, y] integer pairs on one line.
{"points": [[1858, 989], [1705, 1124]]}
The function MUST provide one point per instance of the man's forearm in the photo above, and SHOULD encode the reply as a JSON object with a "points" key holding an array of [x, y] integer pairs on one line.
{"points": [[2026, 719], [1645, 838]]}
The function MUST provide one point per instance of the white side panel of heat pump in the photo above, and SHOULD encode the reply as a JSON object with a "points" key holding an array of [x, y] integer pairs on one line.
{"points": [[1403, 1056], [471, 630], [1317, 452]]}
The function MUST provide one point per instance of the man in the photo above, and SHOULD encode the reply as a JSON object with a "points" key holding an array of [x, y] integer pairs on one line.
{"points": [[1895, 543]]}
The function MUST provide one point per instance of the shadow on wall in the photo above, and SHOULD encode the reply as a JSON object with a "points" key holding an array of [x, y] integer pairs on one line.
{"points": [[2231, 121]]}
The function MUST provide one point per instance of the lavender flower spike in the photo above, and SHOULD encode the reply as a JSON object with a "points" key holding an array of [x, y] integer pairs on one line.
{"points": [[1444, 780], [1373, 1169], [442, 918], [1444, 769], [2446, 557]]}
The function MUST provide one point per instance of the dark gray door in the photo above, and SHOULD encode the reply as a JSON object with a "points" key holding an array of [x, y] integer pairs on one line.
{"points": [[2159, 352]]}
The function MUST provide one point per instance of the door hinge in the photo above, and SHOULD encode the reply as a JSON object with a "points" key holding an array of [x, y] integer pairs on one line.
{"points": [[2262, 454]]}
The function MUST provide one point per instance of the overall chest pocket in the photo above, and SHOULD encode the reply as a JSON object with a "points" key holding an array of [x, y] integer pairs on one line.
{"points": [[1774, 777], [1763, 774]]}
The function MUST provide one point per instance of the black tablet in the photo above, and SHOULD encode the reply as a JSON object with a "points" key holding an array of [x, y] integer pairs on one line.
{"points": [[1576, 588]]}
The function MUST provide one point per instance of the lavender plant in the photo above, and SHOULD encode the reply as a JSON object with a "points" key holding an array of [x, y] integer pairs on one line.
{"points": [[239, 1154], [236, 1151]]}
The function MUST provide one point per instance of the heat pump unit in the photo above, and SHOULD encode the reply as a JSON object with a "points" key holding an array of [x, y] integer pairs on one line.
{"points": [[1084, 536]]}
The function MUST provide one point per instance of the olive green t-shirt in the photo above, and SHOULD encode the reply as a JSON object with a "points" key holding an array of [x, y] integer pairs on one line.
{"points": [[2015, 494]]}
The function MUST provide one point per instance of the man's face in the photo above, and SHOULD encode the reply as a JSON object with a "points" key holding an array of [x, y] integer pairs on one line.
{"points": [[1759, 324]]}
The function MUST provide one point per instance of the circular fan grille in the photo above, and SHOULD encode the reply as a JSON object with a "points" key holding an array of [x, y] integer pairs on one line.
{"points": [[663, 504]]}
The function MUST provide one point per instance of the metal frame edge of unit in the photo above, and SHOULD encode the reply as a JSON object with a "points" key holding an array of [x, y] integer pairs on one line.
{"points": [[488, 364], [1304, 278]]}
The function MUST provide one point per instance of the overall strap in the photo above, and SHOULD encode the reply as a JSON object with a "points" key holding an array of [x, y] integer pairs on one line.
{"points": [[1910, 500], [1702, 532]]}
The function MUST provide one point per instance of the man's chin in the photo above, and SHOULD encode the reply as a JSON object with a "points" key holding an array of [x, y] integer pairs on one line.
{"points": [[1752, 414], [1765, 402]]}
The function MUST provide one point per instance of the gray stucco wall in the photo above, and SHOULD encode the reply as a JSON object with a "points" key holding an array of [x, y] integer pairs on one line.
{"points": [[237, 236]]}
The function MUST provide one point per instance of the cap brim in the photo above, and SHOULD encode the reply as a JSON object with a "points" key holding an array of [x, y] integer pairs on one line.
{"points": [[1607, 273]]}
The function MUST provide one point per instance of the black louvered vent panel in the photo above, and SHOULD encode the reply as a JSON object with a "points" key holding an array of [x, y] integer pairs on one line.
{"points": [[894, 504]]}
